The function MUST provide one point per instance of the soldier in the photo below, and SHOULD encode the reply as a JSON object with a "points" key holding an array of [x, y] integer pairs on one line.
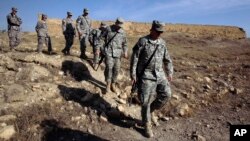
{"points": [[94, 39], [152, 82], [68, 32], [42, 35], [115, 46], [14, 23], [83, 26]]}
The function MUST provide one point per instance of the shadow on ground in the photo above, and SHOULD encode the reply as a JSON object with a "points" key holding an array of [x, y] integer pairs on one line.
{"points": [[53, 132], [80, 72]]}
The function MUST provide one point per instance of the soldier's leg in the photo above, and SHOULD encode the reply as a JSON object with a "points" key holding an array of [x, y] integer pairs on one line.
{"points": [[70, 43], [147, 91], [41, 41], [66, 44], [18, 38], [48, 44], [12, 39], [96, 56], [109, 64], [163, 94], [83, 45], [116, 69]]}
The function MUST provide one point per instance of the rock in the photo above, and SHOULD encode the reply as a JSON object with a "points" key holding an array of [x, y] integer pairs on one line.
{"points": [[183, 109], [32, 73], [165, 118], [3, 124], [192, 89], [7, 118], [176, 97], [61, 73], [7, 132], [235, 90], [199, 79], [207, 79], [7, 62], [103, 117], [198, 138], [121, 101], [15, 92], [89, 130], [121, 108], [123, 96], [207, 87]]}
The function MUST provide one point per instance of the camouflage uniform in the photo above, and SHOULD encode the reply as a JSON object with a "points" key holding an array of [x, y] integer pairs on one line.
{"points": [[14, 23], [113, 52], [153, 87], [42, 35], [83, 26], [94, 39], [68, 32]]}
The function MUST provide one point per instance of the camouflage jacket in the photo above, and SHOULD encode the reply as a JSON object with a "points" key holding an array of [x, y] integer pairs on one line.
{"points": [[118, 45], [83, 24], [68, 27], [142, 51], [14, 22], [94, 37], [42, 29]]}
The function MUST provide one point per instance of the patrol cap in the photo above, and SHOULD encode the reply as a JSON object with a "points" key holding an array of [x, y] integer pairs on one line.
{"points": [[69, 13], [103, 24], [119, 21], [14, 9], [158, 26], [85, 10]]}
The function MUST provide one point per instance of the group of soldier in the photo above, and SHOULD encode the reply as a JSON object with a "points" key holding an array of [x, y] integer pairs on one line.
{"points": [[151, 67]]}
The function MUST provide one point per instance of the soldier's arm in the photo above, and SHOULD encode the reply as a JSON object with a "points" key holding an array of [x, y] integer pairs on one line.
{"points": [[12, 21], [125, 46], [19, 21], [134, 59], [63, 25], [37, 26], [167, 62], [78, 22]]}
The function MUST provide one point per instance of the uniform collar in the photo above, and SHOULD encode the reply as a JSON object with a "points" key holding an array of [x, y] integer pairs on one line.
{"points": [[153, 41]]}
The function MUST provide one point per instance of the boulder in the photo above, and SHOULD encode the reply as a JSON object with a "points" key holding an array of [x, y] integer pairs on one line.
{"points": [[7, 132]]}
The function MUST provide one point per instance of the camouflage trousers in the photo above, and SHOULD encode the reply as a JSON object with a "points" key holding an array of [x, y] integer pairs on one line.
{"points": [[112, 68], [42, 41], [154, 95], [14, 38], [96, 56], [83, 44], [69, 41]]}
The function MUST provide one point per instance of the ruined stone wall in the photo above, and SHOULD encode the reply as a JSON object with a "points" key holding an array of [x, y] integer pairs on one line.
{"points": [[138, 29]]}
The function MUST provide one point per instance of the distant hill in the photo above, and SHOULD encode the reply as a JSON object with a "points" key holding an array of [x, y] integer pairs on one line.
{"points": [[195, 31]]}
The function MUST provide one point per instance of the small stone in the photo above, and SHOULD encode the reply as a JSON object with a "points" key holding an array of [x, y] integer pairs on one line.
{"points": [[7, 132], [90, 131], [120, 108], [61, 73], [176, 97], [165, 118], [121, 101], [103, 117], [207, 79]]}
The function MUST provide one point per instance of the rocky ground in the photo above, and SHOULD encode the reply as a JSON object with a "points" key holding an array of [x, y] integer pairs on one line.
{"points": [[60, 98]]}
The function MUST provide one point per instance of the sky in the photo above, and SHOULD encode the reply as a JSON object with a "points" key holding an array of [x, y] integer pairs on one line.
{"points": [[206, 12]]}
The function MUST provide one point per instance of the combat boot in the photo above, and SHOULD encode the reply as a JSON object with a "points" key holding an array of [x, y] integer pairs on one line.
{"points": [[108, 87], [154, 119], [113, 88], [64, 52], [148, 130]]}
